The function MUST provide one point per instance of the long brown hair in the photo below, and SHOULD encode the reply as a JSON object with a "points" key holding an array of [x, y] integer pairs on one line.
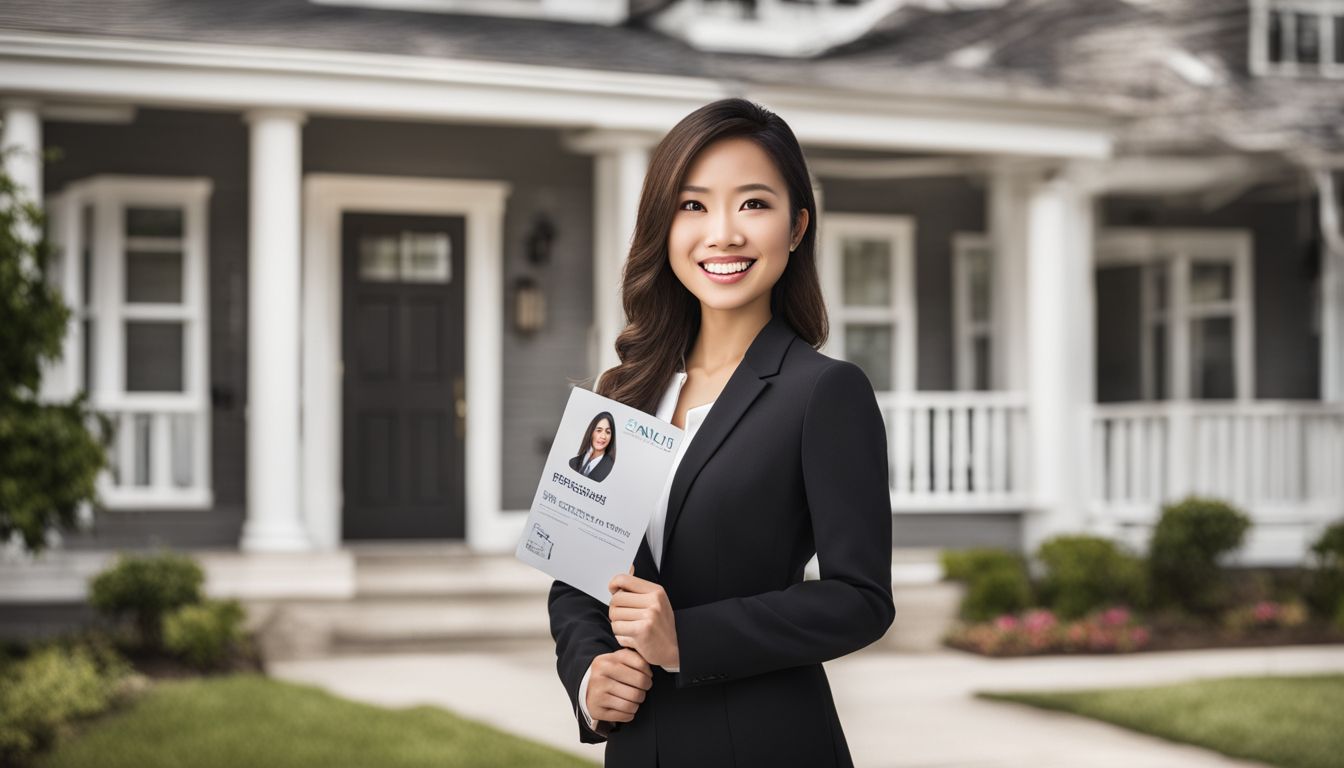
{"points": [[664, 317]]}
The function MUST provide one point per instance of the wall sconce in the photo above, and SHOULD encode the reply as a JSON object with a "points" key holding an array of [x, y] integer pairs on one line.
{"points": [[529, 305]]}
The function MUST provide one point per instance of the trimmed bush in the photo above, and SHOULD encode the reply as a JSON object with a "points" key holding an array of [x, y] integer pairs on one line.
{"points": [[146, 588], [1183, 558], [1325, 581], [205, 635], [1083, 573], [42, 693], [996, 581]]}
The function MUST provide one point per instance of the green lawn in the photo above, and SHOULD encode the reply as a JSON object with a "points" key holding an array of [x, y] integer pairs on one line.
{"points": [[244, 720], [1292, 722]]}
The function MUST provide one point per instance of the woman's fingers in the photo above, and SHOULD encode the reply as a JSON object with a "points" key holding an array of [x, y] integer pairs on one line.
{"points": [[624, 613]]}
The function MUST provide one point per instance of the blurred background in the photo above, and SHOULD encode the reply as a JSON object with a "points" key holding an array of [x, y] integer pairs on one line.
{"points": [[320, 274]]}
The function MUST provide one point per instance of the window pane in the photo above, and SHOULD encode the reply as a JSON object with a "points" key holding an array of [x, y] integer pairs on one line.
{"points": [[1210, 281], [1213, 374], [143, 442], [867, 272], [1158, 332], [426, 257], [1308, 38], [86, 245], [88, 361], [154, 277], [1274, 47], [979, 288], [870, 347], [180, 432], [378, 257], [153, 222], [1338, 21], [154, 356], [981, 351]]}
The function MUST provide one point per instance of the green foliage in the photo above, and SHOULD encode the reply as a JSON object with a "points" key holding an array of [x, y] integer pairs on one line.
{"points": [[1183, 558], [1083, 573], [48, 455], [205, 634], [1325, 580], [146, 588], [996, 581], [53, 686]]}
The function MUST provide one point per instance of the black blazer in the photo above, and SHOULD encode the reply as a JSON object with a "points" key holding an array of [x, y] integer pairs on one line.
{"points": [[791, 460], [600, 471]]}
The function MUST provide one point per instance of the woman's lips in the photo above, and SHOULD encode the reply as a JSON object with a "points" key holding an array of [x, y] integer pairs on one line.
{"points": [[731, 277]]}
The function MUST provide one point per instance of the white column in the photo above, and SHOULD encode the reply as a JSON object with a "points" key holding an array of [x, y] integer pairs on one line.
{"points": [[1329, 198], [1007, 193], [1060, 306], [620, 161], [273, 475], [22, 142]]}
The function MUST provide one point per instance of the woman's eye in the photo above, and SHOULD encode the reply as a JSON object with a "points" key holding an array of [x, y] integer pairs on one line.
{"points": [[754, 200], [688, 202]]}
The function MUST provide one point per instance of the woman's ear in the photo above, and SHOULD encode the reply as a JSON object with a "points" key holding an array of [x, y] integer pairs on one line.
{"points": [[799, 228]]}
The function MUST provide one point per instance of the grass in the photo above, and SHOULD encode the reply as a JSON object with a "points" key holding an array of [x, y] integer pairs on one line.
{"points": [[249, 719], [1291, 722]]}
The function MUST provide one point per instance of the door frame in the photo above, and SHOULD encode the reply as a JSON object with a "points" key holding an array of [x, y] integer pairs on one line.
{"points": [[481, 203]]}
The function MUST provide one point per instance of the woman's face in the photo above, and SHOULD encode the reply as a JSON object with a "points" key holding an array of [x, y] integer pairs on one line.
{"points": [[601, 435], [730, 235]]}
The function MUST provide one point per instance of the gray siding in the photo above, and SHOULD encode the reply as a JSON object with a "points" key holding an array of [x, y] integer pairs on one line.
{"points": [[177, 143], [546, 179], [957, 530], [939, 207], [1286, 260]]}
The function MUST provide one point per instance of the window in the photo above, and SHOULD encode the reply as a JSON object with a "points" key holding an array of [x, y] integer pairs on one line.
{"points": [[1297, 37], [1196, 313], [867, 273], [971, 276], [132, 263]]}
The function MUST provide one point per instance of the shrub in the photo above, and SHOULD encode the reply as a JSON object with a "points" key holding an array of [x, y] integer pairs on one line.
{"points": [[206, 634], [1189, 539], [1113, 629], [1086, 572], [1325, 582], [53, 686], [146, 588], [996, 581], [1265, 614]]}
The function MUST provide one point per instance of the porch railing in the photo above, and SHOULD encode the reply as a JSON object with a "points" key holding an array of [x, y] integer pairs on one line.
{"points": [[158, 455], [1280, 459], [956, 451]]}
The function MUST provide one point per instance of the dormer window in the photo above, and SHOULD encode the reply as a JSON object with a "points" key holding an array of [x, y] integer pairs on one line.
{"points": [[771, 27], [1297, 37]]}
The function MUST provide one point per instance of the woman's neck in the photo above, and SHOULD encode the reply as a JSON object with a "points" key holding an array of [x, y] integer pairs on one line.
{"points": [[725, 335]]}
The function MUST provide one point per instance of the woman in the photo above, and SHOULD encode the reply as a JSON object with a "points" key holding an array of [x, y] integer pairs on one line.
{"points": [[597, 452], [711, 651]]}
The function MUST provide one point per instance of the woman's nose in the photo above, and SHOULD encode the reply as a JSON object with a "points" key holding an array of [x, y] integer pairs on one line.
{"points": [[723, 231]]}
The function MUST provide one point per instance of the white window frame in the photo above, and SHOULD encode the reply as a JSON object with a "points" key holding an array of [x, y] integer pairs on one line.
{"points": [[109, 196], [900, 232], [965, 327], [1324, 10], [1174, 250]]}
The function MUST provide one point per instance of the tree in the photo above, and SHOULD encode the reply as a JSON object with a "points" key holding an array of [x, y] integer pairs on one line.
{"points": [[50, 452]]}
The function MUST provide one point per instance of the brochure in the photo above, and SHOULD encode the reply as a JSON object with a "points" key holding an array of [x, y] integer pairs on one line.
{"points": [[606, 470]]}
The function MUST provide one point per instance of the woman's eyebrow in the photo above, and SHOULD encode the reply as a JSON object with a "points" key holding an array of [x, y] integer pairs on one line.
{"points": [[743, 188]]}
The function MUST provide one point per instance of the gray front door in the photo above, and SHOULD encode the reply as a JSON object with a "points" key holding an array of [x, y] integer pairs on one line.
{"points": [[402, 351]]}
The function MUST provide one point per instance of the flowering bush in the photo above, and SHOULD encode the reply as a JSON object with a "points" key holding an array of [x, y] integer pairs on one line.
{"points": [[1265, 614], [1038, 630]]}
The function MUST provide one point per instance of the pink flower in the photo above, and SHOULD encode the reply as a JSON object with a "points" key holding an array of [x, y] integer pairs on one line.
{"points": [[1115, 617], [1140, 636], [1006, 622], [1266, 611], [1039, 620]]}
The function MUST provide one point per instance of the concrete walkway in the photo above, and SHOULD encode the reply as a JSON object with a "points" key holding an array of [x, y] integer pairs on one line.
{"points": [[900, 710]]}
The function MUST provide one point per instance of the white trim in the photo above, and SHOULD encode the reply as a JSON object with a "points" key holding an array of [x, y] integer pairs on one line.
{"points": [[1324, 10], [899, 231], [966, 329], [581, 11], [1174, 250], [110, 195], [489, 528], [204, 75]]}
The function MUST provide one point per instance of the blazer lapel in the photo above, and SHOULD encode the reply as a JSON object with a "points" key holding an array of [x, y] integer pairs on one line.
{"points": [[761, 361]]}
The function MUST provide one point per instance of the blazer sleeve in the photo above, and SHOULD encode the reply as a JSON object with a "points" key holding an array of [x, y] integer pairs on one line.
{"points": [[582, 632], [844, 465]]}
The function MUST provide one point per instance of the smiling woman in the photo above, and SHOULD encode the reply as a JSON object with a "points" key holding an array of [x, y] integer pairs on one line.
{"points": [[710, 652], [597, 452]]}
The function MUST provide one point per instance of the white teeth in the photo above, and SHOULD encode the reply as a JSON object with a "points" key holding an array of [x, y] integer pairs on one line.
{"points": [[725, 269]]}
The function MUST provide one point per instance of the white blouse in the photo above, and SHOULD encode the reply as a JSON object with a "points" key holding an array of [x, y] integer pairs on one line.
{"points": [[667, 407]]}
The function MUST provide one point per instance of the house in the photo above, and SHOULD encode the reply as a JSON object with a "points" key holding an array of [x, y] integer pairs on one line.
{"points": [[337, 263]]}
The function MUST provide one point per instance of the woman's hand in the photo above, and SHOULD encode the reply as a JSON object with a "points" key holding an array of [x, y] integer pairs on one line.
{"points": [[616, 686], [641, 618]]}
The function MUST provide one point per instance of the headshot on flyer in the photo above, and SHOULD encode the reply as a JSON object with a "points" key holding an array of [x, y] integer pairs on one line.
{"points": [[597, 451]]}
